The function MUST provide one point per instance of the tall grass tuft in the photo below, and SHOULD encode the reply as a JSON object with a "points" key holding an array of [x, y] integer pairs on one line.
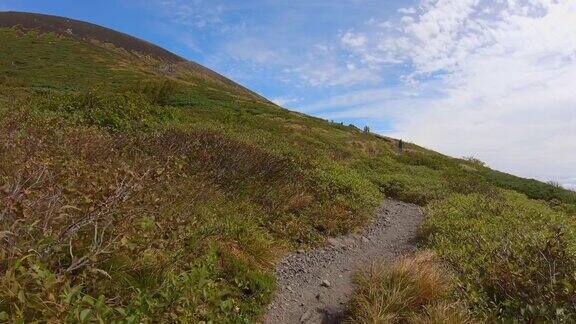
{"points": [[415, 289]]}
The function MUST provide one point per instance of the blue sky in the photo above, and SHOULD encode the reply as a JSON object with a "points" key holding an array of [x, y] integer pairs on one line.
{"points": [[485, 78]]}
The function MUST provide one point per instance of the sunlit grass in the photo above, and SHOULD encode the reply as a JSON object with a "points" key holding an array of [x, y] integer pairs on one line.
{"points": [[415, 289]]}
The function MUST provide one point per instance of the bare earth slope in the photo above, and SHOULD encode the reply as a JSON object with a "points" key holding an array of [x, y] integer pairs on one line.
{"points": [[314, 286]]}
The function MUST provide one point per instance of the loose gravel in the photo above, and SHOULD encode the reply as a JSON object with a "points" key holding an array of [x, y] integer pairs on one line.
{"points": [[315, 286]]}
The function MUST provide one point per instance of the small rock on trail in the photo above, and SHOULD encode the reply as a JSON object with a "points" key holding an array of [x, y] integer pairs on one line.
{"points": [[315, 286]]}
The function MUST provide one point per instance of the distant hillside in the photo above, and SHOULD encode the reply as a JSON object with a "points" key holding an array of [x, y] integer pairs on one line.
{"points": [[138, 187], [90, 32], [85, 31]]}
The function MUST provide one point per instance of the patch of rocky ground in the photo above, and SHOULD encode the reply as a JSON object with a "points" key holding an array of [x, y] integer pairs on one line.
{"points": [[315, 286]]}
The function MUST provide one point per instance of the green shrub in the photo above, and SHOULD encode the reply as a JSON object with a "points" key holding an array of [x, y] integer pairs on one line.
{"points": [[158, 92], [515, 258], [410, 183], [532, 188], [431, 160], [119, 112]]}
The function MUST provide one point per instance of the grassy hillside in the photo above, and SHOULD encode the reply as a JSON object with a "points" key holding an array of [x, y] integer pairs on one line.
{"points": [[138, 189]]}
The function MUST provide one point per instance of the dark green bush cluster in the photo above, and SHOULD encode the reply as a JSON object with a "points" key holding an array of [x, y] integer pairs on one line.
{"points": [[532, 188], [158, 92], [115, 111], [515, 257]]}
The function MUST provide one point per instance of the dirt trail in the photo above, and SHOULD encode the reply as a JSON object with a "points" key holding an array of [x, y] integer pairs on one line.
{"points": [[314, 286]]}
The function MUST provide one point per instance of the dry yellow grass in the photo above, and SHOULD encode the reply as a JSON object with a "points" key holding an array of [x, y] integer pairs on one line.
{"points": [[412, 290]]}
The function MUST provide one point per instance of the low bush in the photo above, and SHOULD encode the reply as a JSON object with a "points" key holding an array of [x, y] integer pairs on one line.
{"points": [[532, 188], [158, 92], [98, 226], [411, 183], [120, 112], [515, 257]]}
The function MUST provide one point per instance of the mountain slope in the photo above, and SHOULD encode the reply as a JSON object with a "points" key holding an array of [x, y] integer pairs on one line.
{"points": [[84, 31], [136, 185], [164, 62]]}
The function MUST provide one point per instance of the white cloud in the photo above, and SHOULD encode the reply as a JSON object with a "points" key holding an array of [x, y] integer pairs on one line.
{"points": [[368, 103], [331, 74], [285, 42], [353, 40], [407, 11], [324, 66], [193, 13], [570, 184], [351, 99], [505, 72], [284, 101], [252, 49]]}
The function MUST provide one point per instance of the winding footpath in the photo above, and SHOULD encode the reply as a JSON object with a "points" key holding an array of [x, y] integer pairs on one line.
{"points": [[315, 286]]}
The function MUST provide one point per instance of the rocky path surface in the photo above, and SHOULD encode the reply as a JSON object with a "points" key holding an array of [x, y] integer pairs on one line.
{"points": [[314, 286]]}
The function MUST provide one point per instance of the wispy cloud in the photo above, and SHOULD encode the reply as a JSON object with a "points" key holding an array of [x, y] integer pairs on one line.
{"points": [[280, 40], [322, 73], [354, 40], [504, 70], [285, 101], [195, 13], [253, 49]]}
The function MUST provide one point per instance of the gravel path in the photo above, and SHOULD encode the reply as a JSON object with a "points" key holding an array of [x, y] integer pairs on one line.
{"points": [[314, 286]]}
